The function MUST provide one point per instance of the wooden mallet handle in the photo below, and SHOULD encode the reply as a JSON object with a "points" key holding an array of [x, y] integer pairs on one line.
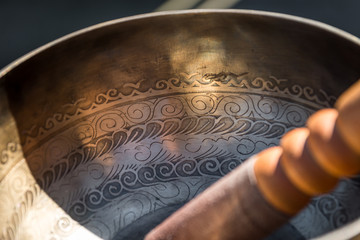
{"points": [[268, 189]]}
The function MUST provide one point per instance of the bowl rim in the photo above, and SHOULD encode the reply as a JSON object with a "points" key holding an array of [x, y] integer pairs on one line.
{"points": [[313, 23]]}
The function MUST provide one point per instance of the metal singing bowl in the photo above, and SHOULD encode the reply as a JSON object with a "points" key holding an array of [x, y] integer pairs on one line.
{"points": [[107, 131]]}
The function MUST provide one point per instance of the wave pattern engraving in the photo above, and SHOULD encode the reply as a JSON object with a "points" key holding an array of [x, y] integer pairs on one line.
{"points": [[147, 176], [114, 160], [211, 82]]}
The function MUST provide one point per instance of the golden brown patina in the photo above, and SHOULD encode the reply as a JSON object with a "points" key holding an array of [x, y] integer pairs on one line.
{"points": [[107, 131]]}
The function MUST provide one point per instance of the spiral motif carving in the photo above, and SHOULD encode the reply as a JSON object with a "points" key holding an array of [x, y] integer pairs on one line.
{"points": [[268, 108], [327, 205], [142, 154], [138, 112], [261, 83], [202, 104], [109, 122], [339, 218], [235, 105], [155, 175], [246, 146], [161, 85], [109, 95], [49, 123], [169, 107], [129, 178], [112, 190], [186, 168], [210, 167], [164, 170], [146, 175], [228, 165], [78, 211], [9, 152], [200, 135], [296, 116], [331, 208], [64, 226], [4, 157], [19, 182], [96, 170], [94, 199], [296, 91]]}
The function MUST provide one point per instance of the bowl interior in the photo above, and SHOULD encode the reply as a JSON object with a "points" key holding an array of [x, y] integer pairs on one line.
{"points": [[106, 132]]}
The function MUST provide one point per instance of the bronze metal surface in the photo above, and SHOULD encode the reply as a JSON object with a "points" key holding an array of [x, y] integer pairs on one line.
{"points": [[107, 131]]}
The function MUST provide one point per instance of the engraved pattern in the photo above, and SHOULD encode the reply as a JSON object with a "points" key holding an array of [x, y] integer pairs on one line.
{"points": [[329, 211], [9, 157], [115, 160], [223, 82], [9, 153]]}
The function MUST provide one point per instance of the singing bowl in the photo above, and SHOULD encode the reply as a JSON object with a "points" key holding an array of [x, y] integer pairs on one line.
{"points": [[107, 131]]}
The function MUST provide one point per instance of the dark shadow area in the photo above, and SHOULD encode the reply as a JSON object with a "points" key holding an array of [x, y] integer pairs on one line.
{"points": [[338, 13]]}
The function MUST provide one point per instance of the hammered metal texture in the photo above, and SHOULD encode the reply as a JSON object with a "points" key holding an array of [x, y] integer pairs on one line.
{"points": [[107, 132]]}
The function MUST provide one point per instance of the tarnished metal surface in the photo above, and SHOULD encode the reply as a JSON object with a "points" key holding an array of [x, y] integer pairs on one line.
{"points": [[104, 133]]}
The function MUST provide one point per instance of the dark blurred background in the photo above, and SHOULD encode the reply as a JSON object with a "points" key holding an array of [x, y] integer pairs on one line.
{"points": [[28, 24]]}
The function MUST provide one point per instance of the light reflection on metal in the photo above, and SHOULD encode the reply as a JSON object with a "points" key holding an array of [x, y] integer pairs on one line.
{"points": [[122, 123]]}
